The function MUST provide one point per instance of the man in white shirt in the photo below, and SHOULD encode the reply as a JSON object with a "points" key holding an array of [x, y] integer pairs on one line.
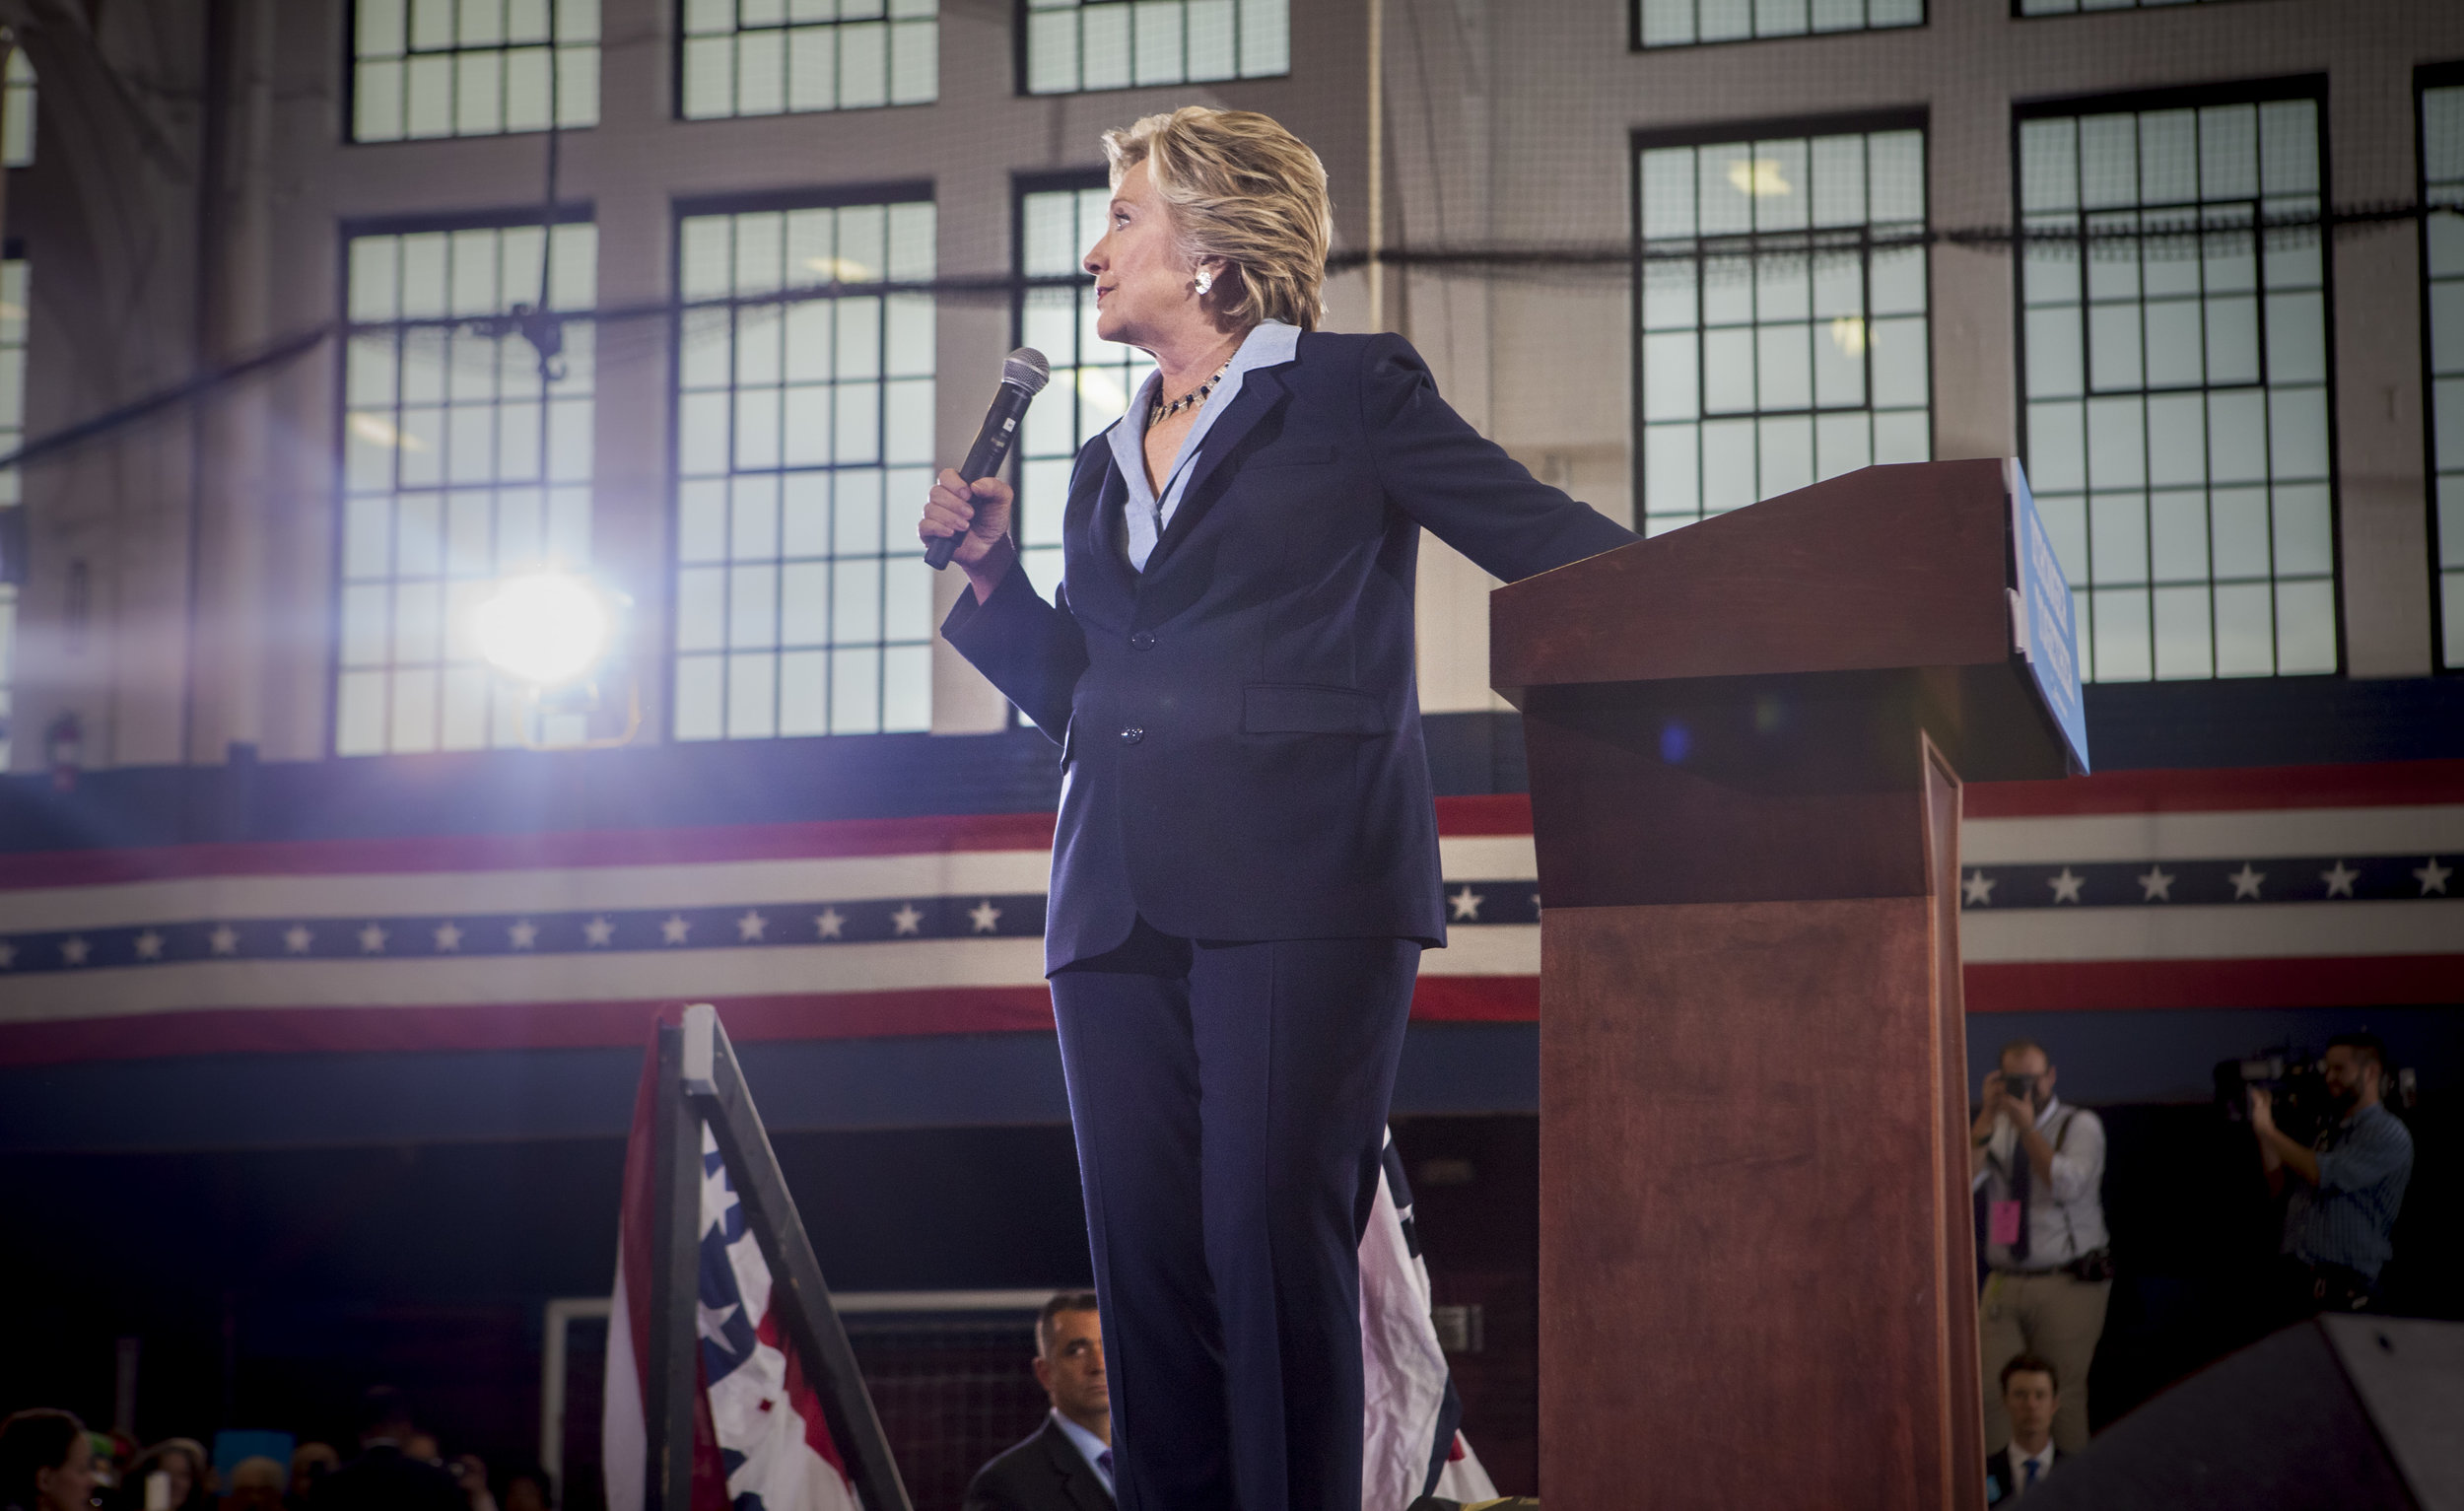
{"points": [[2030, 1390], [1068, 1464], [2040, 1163]]}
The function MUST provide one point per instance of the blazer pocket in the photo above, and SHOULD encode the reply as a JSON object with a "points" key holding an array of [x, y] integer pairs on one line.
{"points": [[1290, 456], [1270, 708]]}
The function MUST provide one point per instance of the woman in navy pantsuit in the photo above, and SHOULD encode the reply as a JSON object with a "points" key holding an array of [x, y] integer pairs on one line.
{"points": [[1246, 868]]}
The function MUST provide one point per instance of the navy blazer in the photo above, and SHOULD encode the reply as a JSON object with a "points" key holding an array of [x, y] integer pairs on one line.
{"points": [[1044, 1473], [1239, 725]]}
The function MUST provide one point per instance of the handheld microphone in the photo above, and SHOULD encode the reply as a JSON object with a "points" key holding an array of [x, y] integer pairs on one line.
{"points": [[1025, 372]]}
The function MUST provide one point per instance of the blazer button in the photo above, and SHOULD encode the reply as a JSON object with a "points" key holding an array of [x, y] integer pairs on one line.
{"points": [[1142, 640], [1131, 735]]}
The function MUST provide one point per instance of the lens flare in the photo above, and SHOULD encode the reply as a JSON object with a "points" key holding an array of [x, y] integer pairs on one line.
{"points": [[548, 629]]}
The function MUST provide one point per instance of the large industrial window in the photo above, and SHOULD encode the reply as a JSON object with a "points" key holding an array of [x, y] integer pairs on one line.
{"points": [[1070, 45], [1093, 380], [1782, 316], [2442, 271], [463, 463], [17, 111], [768, 58], [12, 436], [804, 445], [2174, 371], [431, 68], [1689, 22]]}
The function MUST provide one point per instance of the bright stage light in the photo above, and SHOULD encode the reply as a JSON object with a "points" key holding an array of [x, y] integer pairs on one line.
{"points": [[546, 630]]}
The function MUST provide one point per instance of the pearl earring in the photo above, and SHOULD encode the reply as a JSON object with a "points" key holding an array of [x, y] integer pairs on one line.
{"points": [[1206, 282]]}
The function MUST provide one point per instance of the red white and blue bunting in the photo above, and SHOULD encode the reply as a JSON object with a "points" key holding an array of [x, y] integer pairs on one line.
{"points": [[2289, 887]]}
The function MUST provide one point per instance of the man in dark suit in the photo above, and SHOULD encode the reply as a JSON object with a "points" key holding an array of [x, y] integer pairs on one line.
{"points": [[384, 1477], [1066, 1466], [2030, 1389]]}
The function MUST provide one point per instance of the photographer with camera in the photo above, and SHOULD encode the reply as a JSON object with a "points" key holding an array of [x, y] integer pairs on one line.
{"points": [[2040, 1164], [2348, 1186]]}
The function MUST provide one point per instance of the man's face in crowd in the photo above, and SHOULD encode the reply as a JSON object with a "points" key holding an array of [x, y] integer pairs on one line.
{"points": [[2028, 1400], [1072, 1367], [309, 1465], [2349, 1075], [2031, 1064]]}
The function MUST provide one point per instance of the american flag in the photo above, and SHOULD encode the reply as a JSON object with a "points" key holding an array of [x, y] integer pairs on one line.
{"points": [[760, 1440], [1413, 1443]]}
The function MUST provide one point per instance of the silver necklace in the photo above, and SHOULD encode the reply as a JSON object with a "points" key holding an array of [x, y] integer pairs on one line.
{"points": [[1159, 411]]}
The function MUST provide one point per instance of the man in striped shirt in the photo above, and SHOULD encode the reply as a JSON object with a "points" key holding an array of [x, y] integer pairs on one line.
{"points": [[2347, 1187]]}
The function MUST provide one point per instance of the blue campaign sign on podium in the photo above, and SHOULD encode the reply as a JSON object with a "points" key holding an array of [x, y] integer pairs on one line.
{"points": [[2043, 625]]}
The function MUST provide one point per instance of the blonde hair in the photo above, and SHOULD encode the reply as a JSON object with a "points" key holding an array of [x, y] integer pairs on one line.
{"points": [[1243, 190]]}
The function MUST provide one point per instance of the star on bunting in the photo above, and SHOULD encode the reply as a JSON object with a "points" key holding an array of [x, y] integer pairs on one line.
{"points": [[711, 1322], [73, 950], [673, 930], [2433, 876], [521, 933], [1978, 889], [296, 938], [149, 945], [2339, 880], [906, 919], [598, 932], [2246, 882], [373, 940], [2157, 884], [751, 926], [1466, 905], [2066, 886], [448, 938], [985, 915], [718, 1200], [7, 955], [224, 941], [829, 923]]}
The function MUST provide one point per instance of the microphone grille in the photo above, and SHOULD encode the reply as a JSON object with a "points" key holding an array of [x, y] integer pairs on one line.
{"points": [[1027, 367]]}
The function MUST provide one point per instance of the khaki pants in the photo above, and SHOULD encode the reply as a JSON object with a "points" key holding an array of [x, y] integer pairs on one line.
{"points": [[2059, 1320]]}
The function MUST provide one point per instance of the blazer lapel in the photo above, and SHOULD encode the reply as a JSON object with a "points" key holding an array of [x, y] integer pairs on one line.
{"points": [[1262, 389], [1077, 1476], [1106, 528]]}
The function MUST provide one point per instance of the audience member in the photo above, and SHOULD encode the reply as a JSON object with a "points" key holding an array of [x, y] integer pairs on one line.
{"points": [[526, 1488], [108, 1458], [386, 1477], [310, 1463], [2347, 1186], [181, 1462], [256, 1484], [1066, 1466], [45, 1462], [470, 1473], [2041, 1165], [2030, 1391]]}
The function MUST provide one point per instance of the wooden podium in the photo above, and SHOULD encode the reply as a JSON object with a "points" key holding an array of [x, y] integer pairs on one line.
{"points": [[1757, 1282]]}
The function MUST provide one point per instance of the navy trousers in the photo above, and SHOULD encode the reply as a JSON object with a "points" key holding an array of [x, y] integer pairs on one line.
{"points": [[1230, 1103]]}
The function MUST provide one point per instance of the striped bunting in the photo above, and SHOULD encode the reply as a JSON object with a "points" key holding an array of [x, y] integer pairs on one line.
{"points": [[2306, 886]]}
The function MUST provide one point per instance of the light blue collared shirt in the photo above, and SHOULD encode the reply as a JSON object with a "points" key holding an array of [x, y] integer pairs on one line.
{"points": [[1098, 1456], [2363, 1164], [1270, 343]]}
